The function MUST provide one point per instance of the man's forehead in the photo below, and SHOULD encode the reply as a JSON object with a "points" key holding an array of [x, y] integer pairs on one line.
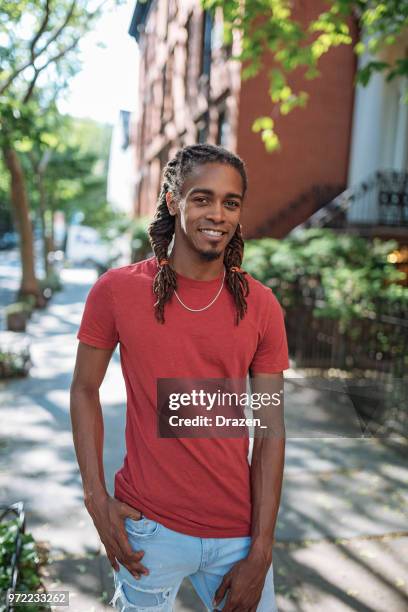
{"points": [[205, 176]]}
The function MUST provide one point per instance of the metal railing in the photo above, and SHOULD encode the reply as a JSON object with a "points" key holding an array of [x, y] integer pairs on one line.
{"points": [[381, 200], [370, 356], [376, 342]]}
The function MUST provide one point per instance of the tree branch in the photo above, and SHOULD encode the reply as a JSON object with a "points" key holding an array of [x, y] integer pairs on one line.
{"points": [[31, 86], [59, 30], [54, 58], [34, 56], [41, 30]]}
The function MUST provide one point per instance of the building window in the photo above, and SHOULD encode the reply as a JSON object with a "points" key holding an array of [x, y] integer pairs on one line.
{"points": [[223, 131], [166, 113], [202, 127], [205, 65]]}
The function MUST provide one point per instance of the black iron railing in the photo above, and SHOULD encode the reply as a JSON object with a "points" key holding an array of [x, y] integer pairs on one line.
{"points": [[370, 354], [375, 342], [381, 200]]}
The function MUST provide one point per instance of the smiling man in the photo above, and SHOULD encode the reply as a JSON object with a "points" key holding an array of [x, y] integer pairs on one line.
{"points": [[184, 507]]}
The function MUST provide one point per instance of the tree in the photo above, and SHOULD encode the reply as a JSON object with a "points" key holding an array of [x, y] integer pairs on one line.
{"points": [[37, 56], [67, 171], [270, 33]]}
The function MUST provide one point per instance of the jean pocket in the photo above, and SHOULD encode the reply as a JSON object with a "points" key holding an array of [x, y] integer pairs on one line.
{"points": [[142, 528]]}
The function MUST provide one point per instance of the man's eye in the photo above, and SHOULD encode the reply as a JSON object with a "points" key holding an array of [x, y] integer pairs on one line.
{"points": [[200, 200], [232, 204]]}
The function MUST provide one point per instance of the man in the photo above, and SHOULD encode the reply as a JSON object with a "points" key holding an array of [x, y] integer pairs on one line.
{"points": [[184, 506]]}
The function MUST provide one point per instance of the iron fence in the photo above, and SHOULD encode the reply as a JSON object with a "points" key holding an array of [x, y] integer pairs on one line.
{"points": [[378, 341]]}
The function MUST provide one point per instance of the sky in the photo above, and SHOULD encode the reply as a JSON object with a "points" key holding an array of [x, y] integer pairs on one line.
{"points": [[108, 80]]}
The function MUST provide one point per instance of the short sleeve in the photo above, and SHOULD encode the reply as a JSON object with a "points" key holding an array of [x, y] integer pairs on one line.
{"points": [[272, 351], [98, 325]]}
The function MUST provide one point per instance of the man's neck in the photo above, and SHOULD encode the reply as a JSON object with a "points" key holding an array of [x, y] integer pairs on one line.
{"points": [[195, 267]]}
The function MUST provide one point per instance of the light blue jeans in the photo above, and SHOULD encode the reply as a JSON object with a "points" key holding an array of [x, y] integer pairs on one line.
{"points": [[170, 557]]}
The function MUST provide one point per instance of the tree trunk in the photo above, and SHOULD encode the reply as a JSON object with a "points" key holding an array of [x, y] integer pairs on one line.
{"points": [[29, 283]]}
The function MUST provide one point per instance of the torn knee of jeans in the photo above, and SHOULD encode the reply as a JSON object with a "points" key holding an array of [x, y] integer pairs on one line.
{"points": [[132, 597]]}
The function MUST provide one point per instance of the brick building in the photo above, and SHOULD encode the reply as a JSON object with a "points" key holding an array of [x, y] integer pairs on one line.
{"points": [[191, 91]]}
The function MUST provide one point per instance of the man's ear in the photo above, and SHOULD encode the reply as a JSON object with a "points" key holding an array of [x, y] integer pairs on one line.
{"points": [[171, 204]]}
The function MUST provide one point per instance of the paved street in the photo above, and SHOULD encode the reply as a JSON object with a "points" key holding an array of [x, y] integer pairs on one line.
{"points": [[342, 529]]}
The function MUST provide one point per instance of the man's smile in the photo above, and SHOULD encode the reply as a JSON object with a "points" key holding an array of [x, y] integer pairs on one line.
{"points": [[213, 234]]}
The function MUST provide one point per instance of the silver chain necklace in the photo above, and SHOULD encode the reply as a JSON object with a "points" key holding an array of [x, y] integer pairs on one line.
{"points": [[208, 305]]}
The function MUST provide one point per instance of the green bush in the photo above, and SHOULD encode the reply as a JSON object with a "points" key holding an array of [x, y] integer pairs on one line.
{"points": [[52, 281], [29, 579], [19, 307], [141, 247], [14, 363], [347, 273], [28, 299]]}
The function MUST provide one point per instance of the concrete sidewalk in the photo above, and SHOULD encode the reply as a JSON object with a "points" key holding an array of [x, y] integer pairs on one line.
{"points": [[342, 528]]}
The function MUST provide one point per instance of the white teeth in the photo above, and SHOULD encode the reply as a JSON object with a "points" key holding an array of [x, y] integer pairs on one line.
{"points": [[211, 232]]}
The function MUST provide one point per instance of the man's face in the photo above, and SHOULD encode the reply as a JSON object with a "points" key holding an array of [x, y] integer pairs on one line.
{"points": [[209, 209]]}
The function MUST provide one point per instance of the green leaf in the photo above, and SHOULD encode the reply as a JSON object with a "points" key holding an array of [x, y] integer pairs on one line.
{"points": [[262, 123]]}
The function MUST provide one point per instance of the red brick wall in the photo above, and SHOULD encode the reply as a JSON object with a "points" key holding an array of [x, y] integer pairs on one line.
{"points": [[315, 140]]}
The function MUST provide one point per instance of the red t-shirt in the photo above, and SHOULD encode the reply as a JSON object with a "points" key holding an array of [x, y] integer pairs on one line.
{"points": [[197, 486]]}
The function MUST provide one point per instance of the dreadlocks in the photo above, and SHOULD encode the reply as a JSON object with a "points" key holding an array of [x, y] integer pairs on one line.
{"points": [[161, 229]]}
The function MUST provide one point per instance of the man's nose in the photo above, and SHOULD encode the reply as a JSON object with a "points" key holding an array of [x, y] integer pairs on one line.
{"points": [[216, 212]]}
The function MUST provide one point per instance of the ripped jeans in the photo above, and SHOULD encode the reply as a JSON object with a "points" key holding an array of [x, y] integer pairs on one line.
{"points": [[170, 557]]}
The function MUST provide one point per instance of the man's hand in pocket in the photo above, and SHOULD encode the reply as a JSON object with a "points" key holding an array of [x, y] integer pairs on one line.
{"points": [[108, 515]]}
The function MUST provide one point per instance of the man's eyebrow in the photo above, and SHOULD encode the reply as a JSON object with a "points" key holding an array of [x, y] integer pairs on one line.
{"points": [[211, 192]]}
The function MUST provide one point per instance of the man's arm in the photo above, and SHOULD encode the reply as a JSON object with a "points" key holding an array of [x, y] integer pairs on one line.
{"points": [[246, 579], [87, 420], [107, 513], [268, 459]]}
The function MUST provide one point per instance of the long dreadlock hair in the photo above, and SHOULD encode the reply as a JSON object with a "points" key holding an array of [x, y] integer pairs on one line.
{"points": [[161, 229]]}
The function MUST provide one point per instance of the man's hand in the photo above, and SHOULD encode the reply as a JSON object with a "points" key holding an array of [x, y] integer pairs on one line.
{"points": [[244, 582], [109, 516]]}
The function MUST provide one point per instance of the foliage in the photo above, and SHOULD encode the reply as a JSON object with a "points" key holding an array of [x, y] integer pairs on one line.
{"points": [[39, 42], [52, 282], [14, 362], [38, 56], [6, 220], [348, 274], [77, 176], [141, 247], [271, 32], [29, 580], [71, 155], [18, 307], [28, 299]]}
